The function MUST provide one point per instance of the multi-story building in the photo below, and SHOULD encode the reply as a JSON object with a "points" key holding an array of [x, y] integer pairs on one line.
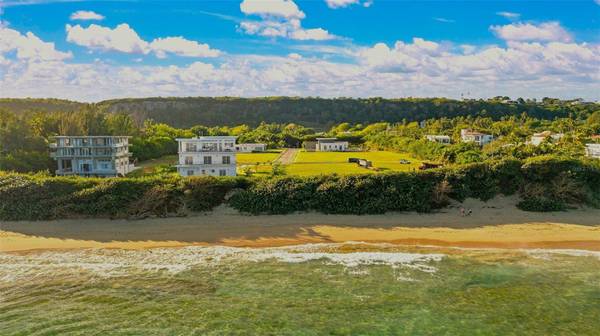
{"points": [[101, 156], [207, 155], [479, 138], [538, 138], [251, 147]]}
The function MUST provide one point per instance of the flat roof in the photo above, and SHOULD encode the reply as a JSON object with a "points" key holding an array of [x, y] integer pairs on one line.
{"points": [[91, 136], [216, 137]]}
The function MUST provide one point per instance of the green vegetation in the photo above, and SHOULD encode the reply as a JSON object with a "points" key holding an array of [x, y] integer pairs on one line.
{"points": [[544, 184], [471, 293]]}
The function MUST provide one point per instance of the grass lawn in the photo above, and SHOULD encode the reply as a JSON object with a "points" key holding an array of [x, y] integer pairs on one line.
{"points": [[314, 163], [261, 157], [150, 167]]}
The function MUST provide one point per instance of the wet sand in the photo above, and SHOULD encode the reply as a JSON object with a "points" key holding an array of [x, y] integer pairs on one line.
{"points": [[496, 224]]}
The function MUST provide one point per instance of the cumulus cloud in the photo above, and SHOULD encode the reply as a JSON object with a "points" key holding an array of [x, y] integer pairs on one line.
{"points": [[124, 39], [510, 15], [280, 18], [334, 4], [547, 31], [415, 68], [280, 8], [86, 15], [29, 47]]}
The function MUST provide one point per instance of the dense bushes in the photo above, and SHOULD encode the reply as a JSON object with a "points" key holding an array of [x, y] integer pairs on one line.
{"points": [[544, 184], [34, 197]]}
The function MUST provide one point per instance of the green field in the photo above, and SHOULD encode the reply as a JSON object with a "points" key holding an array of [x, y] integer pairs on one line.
{"points": [[116, 292], [314, 163], [260, 157]]}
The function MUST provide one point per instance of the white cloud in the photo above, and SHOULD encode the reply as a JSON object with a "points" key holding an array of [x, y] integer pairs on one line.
{"points": [[443, 20], [510, 15], [182, 47], [280, 18], [341, 3], [416, 68], [279, 8], [29, 47], [546, 32], [124, 39], [86, 15]]}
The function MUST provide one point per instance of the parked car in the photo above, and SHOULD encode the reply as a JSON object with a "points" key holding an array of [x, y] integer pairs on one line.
{"points": [[404, 161]]}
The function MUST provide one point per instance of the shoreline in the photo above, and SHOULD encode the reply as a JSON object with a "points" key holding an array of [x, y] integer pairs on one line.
{"points": [[495, 224]]}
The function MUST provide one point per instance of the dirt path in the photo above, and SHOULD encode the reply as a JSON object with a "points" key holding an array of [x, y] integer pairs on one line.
{"points": [[288, 156]]}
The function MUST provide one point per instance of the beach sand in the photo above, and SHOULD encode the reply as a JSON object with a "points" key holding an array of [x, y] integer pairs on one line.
{"points": [[495, 224]]}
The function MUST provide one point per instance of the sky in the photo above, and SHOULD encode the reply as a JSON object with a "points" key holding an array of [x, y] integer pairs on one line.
{"points": [[96, 50]]}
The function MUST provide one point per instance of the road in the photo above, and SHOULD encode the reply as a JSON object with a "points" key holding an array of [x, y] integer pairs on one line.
{"points": [[288, 156]]}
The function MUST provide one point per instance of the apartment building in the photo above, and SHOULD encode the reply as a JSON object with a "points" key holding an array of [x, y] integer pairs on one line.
{"points": [[95, 156]]}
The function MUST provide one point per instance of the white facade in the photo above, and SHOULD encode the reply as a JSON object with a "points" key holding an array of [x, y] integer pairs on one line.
{"points": [[479, 138], [331, 145], [538, 138], [97, 156], [209, 155], [443, 139], [592, 150], [251, 147]]}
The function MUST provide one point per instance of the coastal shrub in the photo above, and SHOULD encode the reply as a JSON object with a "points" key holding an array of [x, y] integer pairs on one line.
{"points": [[541, 204], [508, 175], [204, 193], [476, 180]]}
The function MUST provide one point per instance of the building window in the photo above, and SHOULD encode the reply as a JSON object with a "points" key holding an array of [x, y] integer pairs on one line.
{"points": [[190, 147], [189, 160], [222, 172], [226, 160], [190, 173], [207, 160]]}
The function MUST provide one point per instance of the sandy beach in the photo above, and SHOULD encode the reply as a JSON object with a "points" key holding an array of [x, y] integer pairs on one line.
{"points": [[495, 224]]}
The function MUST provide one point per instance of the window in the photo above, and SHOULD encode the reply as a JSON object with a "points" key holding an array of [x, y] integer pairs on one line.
{"points": [[226, 160], [207, 160], [190, 147], [189, 160], [190, 173], [222, 172], [106, 164]]}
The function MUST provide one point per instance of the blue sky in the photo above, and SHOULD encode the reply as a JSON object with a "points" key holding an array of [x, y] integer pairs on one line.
{"points": [[92, 50]]}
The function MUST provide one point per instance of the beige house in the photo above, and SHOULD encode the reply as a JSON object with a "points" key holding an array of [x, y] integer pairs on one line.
{"points": [[467, 135], [538, 138], [592, 150]]}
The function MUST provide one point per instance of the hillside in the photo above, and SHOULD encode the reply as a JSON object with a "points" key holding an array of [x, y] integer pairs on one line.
{"points": [[312, 112]]}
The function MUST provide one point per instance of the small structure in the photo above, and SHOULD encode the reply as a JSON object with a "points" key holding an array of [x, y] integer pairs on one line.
{"points": [[331, 145], [592, 150], [429, 165], [97, 156], [538, 138], [309, 146], [207, 155], [365, 163], [443, 139], [251, 147], [468, 135]]}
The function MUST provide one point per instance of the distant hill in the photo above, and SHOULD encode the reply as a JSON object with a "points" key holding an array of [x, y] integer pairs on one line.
{"points": [[314, 112], [39, 104]]}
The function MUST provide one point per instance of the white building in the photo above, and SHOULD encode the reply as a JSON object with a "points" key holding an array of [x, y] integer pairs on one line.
{"points": [[538, 138], [592, 150], [443, 139], [331, 145], [101, 156], [251, 147], [207, 155], [479, 138]]}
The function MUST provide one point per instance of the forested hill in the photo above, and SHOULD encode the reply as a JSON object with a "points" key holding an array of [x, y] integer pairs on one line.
{"points": [[314, 112], [39, 104]]}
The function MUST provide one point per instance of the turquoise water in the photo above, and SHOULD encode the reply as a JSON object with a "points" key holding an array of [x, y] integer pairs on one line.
{"points": [[335, 289]]}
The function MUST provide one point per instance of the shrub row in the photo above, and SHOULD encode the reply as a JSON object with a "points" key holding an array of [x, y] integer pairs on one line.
{"points": [[35, 197], [544, 184]]}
